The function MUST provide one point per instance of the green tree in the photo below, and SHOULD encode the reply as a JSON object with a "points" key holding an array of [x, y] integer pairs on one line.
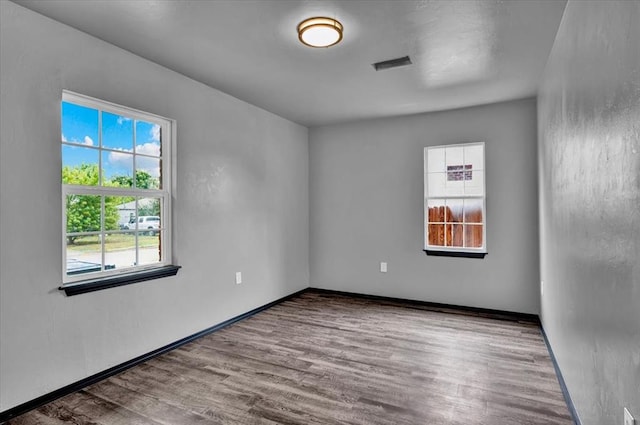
{"points": [[111, 216], [84, 174], [84, 211], [83, 214], [144, 180], [121, 181]]}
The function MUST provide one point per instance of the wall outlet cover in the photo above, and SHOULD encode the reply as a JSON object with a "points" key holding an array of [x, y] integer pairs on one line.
{"points": [[383, 267], [238, 278], [628, 419]]}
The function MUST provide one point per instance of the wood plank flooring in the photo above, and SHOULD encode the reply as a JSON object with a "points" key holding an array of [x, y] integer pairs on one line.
{"points": [[331, 359]]}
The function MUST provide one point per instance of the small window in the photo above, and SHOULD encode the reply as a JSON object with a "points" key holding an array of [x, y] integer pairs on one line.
{"points": [[454, 200], [116, 189]]}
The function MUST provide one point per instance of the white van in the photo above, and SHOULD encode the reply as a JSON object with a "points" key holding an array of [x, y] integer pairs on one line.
{"points": [[149, 222]]}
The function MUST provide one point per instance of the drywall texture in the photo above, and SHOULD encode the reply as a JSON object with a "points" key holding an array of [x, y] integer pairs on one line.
{"points": [[366, 206], [589, 147], [241, 205]]}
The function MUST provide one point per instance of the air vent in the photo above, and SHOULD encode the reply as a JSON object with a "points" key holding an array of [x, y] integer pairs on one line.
{"points": [[392, 63]]}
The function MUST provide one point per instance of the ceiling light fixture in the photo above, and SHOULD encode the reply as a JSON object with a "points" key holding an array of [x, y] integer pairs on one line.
{"points": [[320, 32]]}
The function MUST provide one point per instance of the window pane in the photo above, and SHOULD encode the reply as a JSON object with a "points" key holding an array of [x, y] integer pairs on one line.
{"points": [[148, 138], [120, 250], [149, 215], [80, 165], [84, 254], [117, 132], [117, 168], [475, 185], [454, 235], [79, 124], [454, 156], [473, 210], [112, 211], [126, 209], [454, 210], [83, 213], [473, 235], [436, 184], [150, 248], [436, 234], [147, 172], [453, 214], [436, 211], [473, 156], [435, 160]]}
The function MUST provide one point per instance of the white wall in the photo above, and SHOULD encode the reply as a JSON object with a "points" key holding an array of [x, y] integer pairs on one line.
{"points": [[366, 206], [241, 205], [589, 147]]}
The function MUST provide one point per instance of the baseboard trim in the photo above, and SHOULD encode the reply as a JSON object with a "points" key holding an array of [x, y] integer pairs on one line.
{"points": [[76, 386], [563, 385], [447, 308]]}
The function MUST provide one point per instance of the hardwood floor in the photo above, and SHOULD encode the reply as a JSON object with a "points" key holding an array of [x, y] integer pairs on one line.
{"points": [[331, 359]]}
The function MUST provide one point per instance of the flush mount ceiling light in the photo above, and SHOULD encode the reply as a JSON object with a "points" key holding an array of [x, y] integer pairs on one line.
{"points": [[320, 32]]}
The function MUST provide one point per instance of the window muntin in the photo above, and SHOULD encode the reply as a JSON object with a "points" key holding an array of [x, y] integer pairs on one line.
{"points": [[454, 199], [115, 169]]}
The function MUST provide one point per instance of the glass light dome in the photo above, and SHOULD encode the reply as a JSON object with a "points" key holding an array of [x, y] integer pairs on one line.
{"points": [[320, 32]]}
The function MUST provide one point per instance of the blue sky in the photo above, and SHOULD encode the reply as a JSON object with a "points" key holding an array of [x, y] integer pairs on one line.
{"points": [[80, 128]]}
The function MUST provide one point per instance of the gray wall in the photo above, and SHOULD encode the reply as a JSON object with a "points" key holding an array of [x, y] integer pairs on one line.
{"points": [[366, 206], [241, 205], [589, 147]]}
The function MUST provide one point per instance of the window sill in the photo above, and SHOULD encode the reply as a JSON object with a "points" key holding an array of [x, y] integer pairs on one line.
{"points": [[465, 254], [85, 286]]}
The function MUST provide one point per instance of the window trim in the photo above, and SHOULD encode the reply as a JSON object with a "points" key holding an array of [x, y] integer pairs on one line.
{"points": [[449, 251], [106, 278], [91, 285]]}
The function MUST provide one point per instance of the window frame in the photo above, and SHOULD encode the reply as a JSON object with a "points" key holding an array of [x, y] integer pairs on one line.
{"points": [[165, 193], [455, 251]]}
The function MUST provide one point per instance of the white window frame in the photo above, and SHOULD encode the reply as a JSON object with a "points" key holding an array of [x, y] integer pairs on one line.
{"points": [[167, 150], [427, 197]]}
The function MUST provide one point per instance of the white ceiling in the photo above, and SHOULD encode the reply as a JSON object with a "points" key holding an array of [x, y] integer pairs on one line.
{"points": [[464, 53]]}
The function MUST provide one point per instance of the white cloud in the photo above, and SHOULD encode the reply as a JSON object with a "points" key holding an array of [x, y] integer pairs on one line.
{"points": [[64, 139], [155, 132], [122, 120], [148, 149], [124, 158], [88, 141]]}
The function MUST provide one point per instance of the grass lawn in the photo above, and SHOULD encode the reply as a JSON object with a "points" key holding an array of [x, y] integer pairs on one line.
{"points": [[114, 242]]}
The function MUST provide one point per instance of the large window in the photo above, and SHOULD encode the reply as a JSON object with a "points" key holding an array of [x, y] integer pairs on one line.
{"points": [[454, 201], [116, 184]]}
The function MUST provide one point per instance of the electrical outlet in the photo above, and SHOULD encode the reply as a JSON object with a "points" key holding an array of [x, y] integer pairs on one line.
{"points": [[238, 278], [383, 267], [628, 419], [542, 287]]}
